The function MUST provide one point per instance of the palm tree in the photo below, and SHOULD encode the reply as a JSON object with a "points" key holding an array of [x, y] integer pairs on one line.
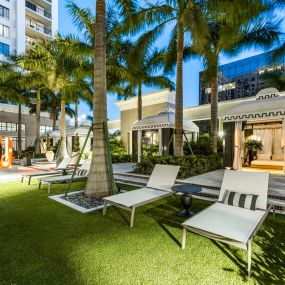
{"points": [[14, 88], [178, 15], [62, 65], [38, 83], [98, 183], [228, 30], [139, 68], [50, 102]]}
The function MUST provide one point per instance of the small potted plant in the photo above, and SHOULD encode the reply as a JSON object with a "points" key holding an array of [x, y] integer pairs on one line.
{"points": [[253, 145], [75, 150], [49, 150]]}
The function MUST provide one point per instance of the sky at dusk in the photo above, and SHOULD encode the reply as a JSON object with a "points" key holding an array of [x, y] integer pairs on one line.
{"points": [[191, 68]]}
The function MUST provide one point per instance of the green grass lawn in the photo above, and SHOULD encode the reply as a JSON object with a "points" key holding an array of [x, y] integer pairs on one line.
{"points": [[44, 242]]}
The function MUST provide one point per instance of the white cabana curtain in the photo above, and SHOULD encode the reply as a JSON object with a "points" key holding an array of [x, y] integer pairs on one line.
{"points": [[278, 141], [237, 165], [266, 136]]}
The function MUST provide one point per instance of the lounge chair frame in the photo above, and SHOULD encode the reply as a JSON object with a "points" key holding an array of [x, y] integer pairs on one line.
{"points": [[245, 246], [158, 183], [132, 209]]}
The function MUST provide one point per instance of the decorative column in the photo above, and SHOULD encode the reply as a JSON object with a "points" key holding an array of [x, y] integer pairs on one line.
{"points": [[237, 165], [160, 151], [139, 146]]}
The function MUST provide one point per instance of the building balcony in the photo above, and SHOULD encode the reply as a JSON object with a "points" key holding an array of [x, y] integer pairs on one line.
{"points": [[39, 11], [38, 28]]}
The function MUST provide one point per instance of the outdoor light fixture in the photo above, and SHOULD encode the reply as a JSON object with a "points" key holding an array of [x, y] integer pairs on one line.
{"points": [[221, 134]]}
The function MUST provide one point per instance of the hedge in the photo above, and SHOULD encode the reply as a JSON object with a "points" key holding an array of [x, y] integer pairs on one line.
{"points": [[121, 158], [190, 165]]}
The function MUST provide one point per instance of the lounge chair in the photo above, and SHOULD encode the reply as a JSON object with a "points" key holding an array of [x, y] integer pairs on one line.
{"points": [[159, 186], [80, 174], [230, 224], [61, 169]]}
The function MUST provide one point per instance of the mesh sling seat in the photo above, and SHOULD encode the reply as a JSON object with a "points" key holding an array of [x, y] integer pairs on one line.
{"points": [[159, 186], [230, 224], [60, 169], [80, 174]]}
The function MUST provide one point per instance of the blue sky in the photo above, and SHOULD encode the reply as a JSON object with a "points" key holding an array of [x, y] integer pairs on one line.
{"points": [[191, 68]]}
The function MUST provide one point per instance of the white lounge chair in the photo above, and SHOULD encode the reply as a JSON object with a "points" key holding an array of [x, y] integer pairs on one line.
{"points": [[62, 168], [81, 173], [232, 224], [159, 186]]}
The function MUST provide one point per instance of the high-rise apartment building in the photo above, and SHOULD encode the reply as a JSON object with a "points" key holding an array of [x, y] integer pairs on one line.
{"points": [[242, 78], [24, 21]]}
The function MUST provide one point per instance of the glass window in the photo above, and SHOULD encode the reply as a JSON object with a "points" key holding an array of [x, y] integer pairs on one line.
{"points": [[4, 31], [4, 12], [4, 49]]}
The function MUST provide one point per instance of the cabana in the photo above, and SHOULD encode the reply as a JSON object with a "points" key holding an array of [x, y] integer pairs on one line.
{"points": [[159, 129], [71, 132], [261, 119]]}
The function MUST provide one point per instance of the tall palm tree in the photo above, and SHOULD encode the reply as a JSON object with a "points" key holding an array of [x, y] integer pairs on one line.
{"points": [[229, 30], [61, 64], [14, 88], [98, 183], [38, 84], [177, 15]]}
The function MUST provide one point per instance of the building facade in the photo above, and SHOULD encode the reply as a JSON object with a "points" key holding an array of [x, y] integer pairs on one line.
{"points": [[160, 101], [22, 22], [9, 124], [242, 78]]}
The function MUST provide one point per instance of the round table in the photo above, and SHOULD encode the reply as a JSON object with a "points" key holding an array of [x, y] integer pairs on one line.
{"points": [[186, 198]]}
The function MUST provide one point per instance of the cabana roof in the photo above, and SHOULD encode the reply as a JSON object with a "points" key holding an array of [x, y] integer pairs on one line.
{"points": [[164, 120], [268, 105], [82, 131]]}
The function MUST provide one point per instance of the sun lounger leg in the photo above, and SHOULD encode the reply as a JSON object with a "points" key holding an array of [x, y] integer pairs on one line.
{"points": [[40, 184], [105, 208], [249, 257], [22, 180], [29, 183], [184, 233], [49, 185], [273, 212], [132, 216]]}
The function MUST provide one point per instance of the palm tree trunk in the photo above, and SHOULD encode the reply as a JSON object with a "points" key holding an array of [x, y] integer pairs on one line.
{"points": [[178, 138], [53, 118], [76, 113], [139, 102], [139, 133], [214, 114], [98, 183], [19, 128], [38, 121], [62, 130]]}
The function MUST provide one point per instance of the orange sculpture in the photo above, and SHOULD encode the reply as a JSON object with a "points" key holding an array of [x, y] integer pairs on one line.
{"points": [[7, 158]]}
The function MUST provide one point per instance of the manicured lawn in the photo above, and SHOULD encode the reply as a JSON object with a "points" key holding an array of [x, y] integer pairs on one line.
{"points": [[43, 242]]}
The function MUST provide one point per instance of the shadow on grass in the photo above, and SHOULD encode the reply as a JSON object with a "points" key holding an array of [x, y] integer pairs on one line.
{"points": [[268, 256]]}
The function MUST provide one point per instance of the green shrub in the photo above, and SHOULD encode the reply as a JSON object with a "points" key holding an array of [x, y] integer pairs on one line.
{"points": [[119, 153], [117, 147], [121, 158], [203, 145], [150, 150], [190, 165]]}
